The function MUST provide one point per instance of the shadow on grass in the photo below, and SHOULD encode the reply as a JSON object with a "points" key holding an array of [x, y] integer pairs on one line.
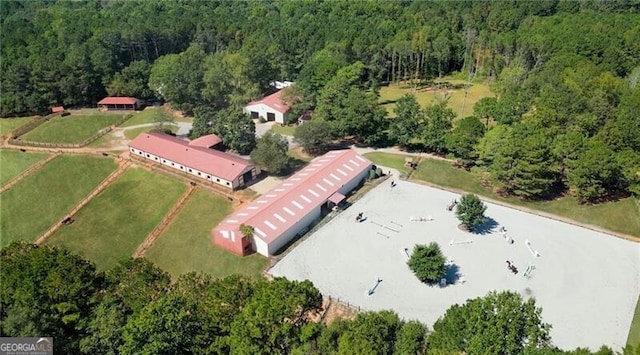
{"points": [[487, 227]]}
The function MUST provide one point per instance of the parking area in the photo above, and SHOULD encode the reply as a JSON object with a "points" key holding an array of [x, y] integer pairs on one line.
{"points": [[586, 282]]}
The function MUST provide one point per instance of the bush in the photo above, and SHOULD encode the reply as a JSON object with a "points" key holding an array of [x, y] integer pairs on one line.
{"points": [[427, 263], [261, 120]]}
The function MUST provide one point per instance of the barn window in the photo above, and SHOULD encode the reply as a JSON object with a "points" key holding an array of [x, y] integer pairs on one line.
{"points": [[133, 150], [227, 183], [189, 170], [140, 153], [208, 176], [217, 180], [156, 158], [198, 173], [164, 161], [172, 164], [181, 167], [147, 155]]}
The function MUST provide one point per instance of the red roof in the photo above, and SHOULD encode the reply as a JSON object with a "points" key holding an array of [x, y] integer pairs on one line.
{"points": [[206, 141], [56, 109], [210, 161], [274, 102], [115, 100], [276, 211]]}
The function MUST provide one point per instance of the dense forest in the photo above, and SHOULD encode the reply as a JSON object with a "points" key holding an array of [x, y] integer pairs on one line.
{"points": [[565, 73], [135, 308]]}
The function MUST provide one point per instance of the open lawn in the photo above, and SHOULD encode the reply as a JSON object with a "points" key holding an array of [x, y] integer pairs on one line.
{"points": [[283, 130], [112, 225], [619, 216], [634, 332], [389, 160], [186, 244], [148, 115], [9, 124], [73, 129], [13, 162], [42, 198], [429, 95], [134, 132]]}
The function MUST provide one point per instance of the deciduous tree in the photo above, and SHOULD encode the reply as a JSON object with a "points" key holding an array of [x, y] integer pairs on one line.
{"points": [[499, 323], [427, 263], [271, 153], [314, 136]]}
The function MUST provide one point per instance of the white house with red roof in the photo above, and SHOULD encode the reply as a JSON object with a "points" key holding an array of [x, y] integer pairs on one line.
{"points": [[194, 158], [119, 103], [287, 210], [271, 108]]}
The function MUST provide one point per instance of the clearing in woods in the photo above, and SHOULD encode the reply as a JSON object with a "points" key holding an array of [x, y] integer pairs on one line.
{"points": [[112, 225], [29, 208], [451, 89]]}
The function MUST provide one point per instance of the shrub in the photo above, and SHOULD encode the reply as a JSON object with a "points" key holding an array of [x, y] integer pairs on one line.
{"points": [[427, 263]]}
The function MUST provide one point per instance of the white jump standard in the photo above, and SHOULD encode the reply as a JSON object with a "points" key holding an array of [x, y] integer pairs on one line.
{"points": [[533, 251]]}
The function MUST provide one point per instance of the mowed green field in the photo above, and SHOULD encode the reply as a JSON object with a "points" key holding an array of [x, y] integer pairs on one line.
{"points": [[44, 197], [148, 115], [9, 124], [73, 129], [621, 216], [112, 225], [389, 160], [428, 95], [13, 162], [186, 244]]}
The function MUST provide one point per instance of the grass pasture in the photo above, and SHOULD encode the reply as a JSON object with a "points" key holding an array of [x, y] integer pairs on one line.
{"points": [[9, 124], [14, 162], [73, 129], [112, 225], [186, 243], [428, 95], [395, 161], [42, 198], [134, 132], [283, 130], [148, 115], [634, 332]]}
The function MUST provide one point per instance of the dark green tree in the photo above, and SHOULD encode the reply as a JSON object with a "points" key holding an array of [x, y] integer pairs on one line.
{"points": [[464, 137], [132, 81], [485, 109], [235, 128], [470, 211], [370, 333], [427, 263], [440, 120], [270, 153], [594, 172], [411, 339], [136, 282], [272, 318], [405, 127], [46, 290], [473, 327], [314, 136]]}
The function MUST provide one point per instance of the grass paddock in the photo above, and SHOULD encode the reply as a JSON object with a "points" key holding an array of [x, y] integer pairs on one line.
{"points": [[14, 162], [9, 124], [186, 243], [389, 160], [73, 129], [41, 199], [283, 130], [112, 225]]}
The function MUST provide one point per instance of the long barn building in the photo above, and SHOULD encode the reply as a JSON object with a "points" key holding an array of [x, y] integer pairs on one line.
{"points": [[194, 158], [287, 210]]}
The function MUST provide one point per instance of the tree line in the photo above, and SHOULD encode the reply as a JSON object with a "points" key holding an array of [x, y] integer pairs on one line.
{"points": [[136, 308], [565, 74]]}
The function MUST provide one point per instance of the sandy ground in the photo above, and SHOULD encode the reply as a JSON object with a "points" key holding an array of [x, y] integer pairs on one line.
{"points": [[586, 282]]}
